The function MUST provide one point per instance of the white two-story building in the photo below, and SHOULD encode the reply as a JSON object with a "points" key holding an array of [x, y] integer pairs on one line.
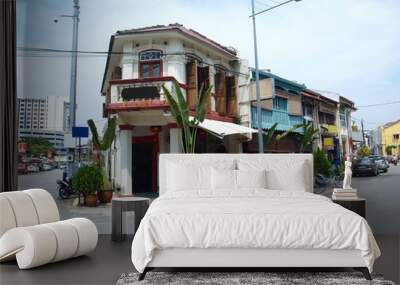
{"points": [[140, 61]]}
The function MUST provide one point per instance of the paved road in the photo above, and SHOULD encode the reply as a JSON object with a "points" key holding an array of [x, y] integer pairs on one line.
{"points": [[383, 200], [100, 215]]}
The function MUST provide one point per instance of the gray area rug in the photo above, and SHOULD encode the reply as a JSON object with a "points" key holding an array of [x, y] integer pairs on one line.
{"points": [[269, 278]]}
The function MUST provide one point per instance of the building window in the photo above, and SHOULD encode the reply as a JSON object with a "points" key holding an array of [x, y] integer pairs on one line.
{"points": [[150, 64], [396, 137], [308, 110], [343, 120], [326, 118], [280, 103]]}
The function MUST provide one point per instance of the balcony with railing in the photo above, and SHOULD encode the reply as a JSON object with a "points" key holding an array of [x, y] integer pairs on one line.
{"points": [[270, 117], [137, 94]]}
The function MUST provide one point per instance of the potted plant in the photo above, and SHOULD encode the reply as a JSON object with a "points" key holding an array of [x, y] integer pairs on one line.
{"points": [[105, 194], [102, 145], [88, 180]]}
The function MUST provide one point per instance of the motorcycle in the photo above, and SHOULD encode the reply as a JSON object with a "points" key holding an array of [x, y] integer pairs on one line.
{"points": [[64, 187]]}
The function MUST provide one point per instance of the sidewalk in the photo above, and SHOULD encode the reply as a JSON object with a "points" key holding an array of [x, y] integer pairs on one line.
{"points": [[100, 215]]}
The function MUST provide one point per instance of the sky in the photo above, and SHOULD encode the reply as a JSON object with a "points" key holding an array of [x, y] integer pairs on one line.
{"points": [[346, 46]]}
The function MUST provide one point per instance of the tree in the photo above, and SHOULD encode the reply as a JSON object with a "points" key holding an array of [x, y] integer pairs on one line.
{"points": [[180, 111], [389, 149], [306, 138], [102, 144], [364, 151], [38, 146], [268, 135]]}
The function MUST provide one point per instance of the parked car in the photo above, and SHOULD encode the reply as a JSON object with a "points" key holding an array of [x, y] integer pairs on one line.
{"points": [[22, 169], [392, 159], [33, 168], [383, 166], [47, 167], [365, 166]]}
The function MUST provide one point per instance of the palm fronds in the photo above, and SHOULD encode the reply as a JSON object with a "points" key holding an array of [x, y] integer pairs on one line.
{"points": [[180, 111]]}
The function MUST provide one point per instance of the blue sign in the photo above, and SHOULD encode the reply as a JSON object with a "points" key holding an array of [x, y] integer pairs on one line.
{"points": [[80, 132]]}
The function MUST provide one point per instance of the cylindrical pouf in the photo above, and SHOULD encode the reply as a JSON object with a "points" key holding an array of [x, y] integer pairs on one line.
{"points": [[33, 246], [87, 235], [67, 240]]}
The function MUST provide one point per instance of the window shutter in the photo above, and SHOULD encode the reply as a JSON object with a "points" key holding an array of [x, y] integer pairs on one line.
{"points": [[191, 80], [220, 93], [204, 78], [231, 105], [117, 74]]}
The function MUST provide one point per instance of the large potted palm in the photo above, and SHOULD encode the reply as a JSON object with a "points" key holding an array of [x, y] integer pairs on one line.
{"points": [[180, 111], [99, 145]]}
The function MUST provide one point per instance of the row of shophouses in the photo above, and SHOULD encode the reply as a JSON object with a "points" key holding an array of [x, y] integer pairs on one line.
{"points": [[385, 139], [141, 60]]}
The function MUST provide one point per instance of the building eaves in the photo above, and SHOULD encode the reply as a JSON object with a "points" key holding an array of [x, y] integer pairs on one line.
{"points": [[180, 28], [280, 81]]}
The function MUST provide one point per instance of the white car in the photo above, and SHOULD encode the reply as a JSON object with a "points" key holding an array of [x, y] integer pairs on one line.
{"points": [[33, 168], [47, 167]]}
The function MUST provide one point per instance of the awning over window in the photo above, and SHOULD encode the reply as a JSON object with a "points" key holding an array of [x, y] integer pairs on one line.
{"points": [[221, 129]]}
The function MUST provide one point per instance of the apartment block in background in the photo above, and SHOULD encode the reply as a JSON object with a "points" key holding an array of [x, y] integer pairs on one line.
{"points": [[46, 118]]}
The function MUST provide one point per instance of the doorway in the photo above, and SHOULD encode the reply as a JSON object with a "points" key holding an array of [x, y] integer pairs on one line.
{"points": [[144, 165]]}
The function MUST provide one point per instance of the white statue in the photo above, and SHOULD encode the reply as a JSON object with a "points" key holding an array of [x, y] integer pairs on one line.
{"points": [[347, 174]]}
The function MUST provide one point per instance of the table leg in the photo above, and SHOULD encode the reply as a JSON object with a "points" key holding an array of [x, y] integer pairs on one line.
{"points": [[140, 211], [116, 234]]}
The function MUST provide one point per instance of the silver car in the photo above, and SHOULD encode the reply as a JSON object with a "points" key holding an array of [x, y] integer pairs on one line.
{"points": [[383, 166]]}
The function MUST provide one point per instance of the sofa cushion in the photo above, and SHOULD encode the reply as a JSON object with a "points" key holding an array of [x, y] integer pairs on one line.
{"points": [[23, 208], [45, 205]]}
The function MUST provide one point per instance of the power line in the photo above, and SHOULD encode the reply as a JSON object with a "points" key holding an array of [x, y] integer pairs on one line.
{"points": [[370, 123], [379, 104], [41, 52]]}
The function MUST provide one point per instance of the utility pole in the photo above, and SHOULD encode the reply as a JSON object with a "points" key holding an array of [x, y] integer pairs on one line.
{"points": [[259, 121], [362, 132], [74, 59], [257, 72], [74, 54]]}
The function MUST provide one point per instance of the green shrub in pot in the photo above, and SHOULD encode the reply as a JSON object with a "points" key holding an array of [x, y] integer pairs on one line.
{"points": [[88, 180], [321, 163], [106, 193]]}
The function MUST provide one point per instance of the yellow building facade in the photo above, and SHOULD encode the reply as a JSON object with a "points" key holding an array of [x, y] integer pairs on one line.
{"points": [[390, 134]]}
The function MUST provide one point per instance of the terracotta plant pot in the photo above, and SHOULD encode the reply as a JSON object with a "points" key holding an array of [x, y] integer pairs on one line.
{"points": [[105, 196], [91, 200]]}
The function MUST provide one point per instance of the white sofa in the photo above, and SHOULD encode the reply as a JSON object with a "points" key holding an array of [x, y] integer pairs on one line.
{"points": [[31, 231]]}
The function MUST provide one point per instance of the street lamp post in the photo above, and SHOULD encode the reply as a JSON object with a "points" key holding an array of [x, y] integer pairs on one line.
{"points": [[258, 96], [74, 54]]}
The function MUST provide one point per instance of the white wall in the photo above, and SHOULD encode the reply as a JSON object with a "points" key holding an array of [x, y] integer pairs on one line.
{"points": [[55, 112]]}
